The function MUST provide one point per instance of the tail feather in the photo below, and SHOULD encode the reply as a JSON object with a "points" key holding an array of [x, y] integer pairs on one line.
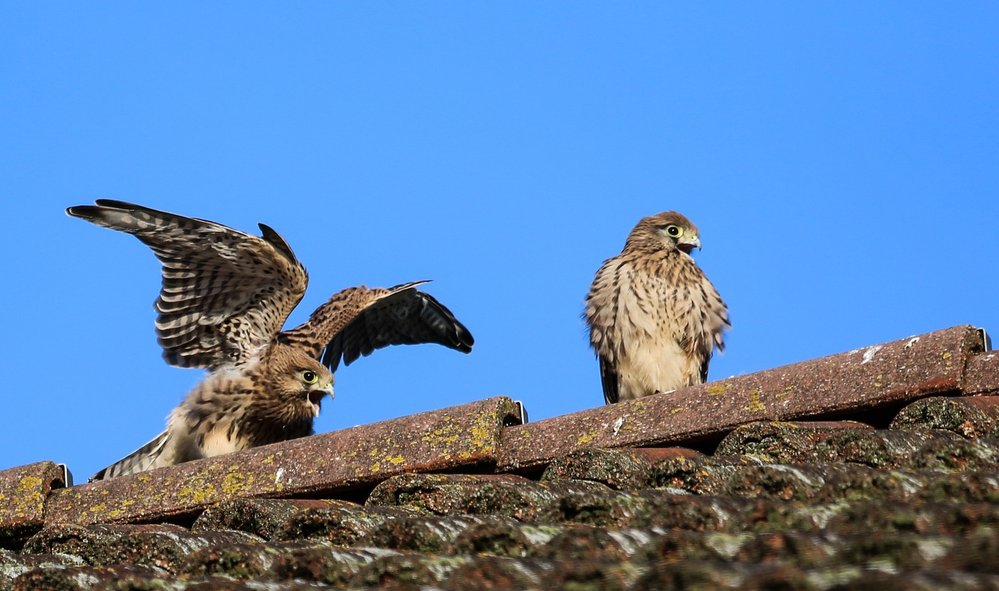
{"points": [[139, 460]]}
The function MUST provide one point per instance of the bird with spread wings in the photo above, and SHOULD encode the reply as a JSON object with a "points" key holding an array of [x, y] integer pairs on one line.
{"points": [[224, 299]]}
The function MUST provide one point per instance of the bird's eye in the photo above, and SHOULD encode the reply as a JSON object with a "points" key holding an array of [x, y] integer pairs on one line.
{"points": [[674, 231], [309, 377]]}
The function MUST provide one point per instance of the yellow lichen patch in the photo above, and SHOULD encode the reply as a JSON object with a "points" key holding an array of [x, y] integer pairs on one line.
{"points": [[29, 496], [586, 438], [786, 392], [716, 389], [480, 435], [877, 381], [98, 508], [676, 410], [376, 467], [198, 492], [444, 436], [30, 484], [755, 404], [395, 460], [234, 482]]}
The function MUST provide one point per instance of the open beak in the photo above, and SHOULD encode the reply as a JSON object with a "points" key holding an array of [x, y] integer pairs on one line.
{"points": [[316, 398], [688, 245]]}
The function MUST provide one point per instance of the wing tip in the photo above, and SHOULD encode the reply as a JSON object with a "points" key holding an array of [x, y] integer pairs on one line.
{"points": [[277, 241], [465, 341], [86, 212]]}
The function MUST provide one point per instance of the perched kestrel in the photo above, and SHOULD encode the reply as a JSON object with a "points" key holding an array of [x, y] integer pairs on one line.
{"points": [[224, 299], [654, 317]]}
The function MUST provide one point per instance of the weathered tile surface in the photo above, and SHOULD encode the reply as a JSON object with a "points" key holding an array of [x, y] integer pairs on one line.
{"points": [[461, 436], [873, 377], [967, 416], [796, 443], [981, 376], [23, 492]]}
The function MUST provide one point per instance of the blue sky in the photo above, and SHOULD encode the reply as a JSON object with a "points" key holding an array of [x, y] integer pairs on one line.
{"points": [[840, 160]]}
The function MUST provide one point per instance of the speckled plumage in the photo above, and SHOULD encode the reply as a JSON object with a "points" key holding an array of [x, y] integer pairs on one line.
{"points": [[224, 299], [654, 318]]}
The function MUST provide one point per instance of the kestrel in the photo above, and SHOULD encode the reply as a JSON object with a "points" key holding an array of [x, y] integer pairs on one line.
{"points": [[653, 316], [224, 299]]}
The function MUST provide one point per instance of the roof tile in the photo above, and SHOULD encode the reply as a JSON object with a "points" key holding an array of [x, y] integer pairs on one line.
{"points": [[617, 468], [13, 564], [738, 575], [982, 375], [875, 377], [340, 522], [23, 492], [967, 416], [157, 546], [433, 535], [796, 443], [315, 561], [505, 537], [461, 436], [451, 494], [137, 578]]}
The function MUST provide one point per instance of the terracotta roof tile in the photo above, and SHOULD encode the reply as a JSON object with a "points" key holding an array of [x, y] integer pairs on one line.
{"points": [[315, 561], [160, 546], [14, 564], [601, 499], [341, 522], [453, 494], [23, 494], [972, 417], [459, 437], [800, 442], [982, 375], [865, 379]]}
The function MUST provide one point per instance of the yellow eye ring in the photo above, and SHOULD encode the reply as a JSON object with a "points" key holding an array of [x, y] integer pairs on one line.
{"points": [[674, 230], [310, 377]]}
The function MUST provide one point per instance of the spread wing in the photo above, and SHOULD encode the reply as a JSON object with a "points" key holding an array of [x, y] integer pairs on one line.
{"points": [[225, 294], [358, 320]]}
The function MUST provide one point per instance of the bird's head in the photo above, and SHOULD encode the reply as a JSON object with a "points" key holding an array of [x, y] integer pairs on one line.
{"points": [[300, 381], [669, 230]]}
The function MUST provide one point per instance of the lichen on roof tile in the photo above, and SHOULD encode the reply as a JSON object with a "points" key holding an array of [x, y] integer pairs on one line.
{"points": [[23, 493], [156, 546], [448, 494], [970, 416]]}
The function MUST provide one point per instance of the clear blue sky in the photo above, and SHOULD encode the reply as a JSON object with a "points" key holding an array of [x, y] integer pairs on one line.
{"points": [[841, 160]]}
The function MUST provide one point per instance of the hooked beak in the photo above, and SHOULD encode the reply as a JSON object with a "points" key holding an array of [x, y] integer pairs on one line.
{"points": [[688, 245], [316, 397]]}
